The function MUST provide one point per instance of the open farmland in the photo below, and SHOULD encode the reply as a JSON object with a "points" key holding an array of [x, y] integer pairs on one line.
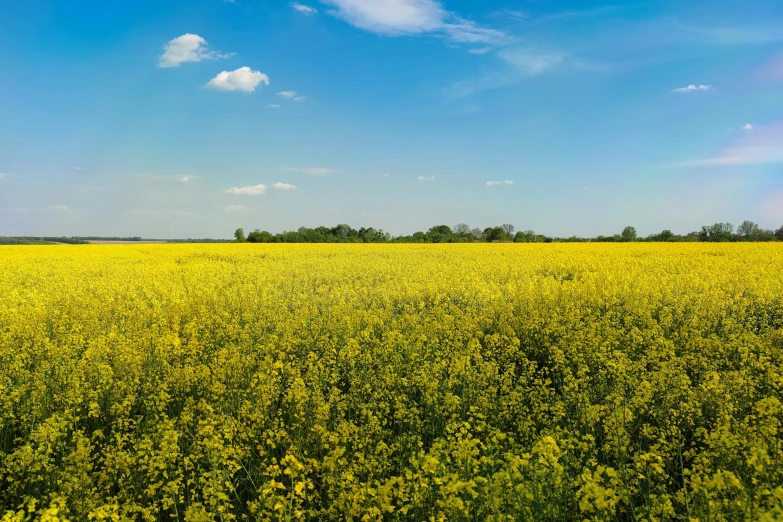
{"points": [[392, 382]]}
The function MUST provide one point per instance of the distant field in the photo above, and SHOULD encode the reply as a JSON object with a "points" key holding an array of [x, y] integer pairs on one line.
{"points": [[92, 242], [392, 382]]}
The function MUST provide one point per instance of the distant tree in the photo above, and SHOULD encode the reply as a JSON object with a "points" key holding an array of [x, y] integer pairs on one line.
{"points": [[719, 232], [665, 236], [629, 234], [495, 234], [779, 233], [477, 234], [461, 230], [239, 235], [749, 231], [520, 237], [508, 230]]}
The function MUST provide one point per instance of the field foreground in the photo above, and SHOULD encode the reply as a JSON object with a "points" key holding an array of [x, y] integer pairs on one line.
{"points": [[402, 382]]}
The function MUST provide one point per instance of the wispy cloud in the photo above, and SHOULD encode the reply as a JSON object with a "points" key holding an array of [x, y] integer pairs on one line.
{"points": [[55, 208], [304, 9], [426, 178], [385, 175], [258, 190], [413, 17], [693, 88], [273, 106], [499, 183], [530, 61], [763, 146], [251, 190], [313, 171], [236, 209], [514, 14], [186, 179], [291, 95], [187, 48], [242, 79]]}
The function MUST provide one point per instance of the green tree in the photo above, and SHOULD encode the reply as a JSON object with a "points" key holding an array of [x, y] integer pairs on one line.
{"points": [[629, 234], [508, 230], [779, 233], [749, 231], [239, 235]]}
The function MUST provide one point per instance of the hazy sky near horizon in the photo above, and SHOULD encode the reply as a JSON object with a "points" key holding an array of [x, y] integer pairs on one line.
{"points": [[190, 118]]}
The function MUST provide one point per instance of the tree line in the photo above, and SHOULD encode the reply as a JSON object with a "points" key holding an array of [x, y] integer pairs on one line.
{"points": [[462, 233]]}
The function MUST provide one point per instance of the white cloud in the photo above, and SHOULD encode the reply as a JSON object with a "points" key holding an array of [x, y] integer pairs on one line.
{"points": [[693, 88], [290, 95], [747, 127], [763, 146], [411, 17], [305, 9], [55, 208], [252, 190], [187, 48], [236, 209], [313, 171], [499, 183], [273, 106], [242, 79], [258, 190], [426, 178], [300, 98], [185, 179], [385, 175]]}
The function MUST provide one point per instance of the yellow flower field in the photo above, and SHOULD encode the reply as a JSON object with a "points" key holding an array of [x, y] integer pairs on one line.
{"points": [[391, 382]]}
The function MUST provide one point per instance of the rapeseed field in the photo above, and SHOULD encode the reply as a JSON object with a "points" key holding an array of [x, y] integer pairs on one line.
{"points": [[391, 382]]}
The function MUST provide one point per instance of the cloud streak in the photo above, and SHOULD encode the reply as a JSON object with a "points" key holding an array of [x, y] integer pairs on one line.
{"points": [[414, 17], [499, 183], [693, 88], [313, 171], [258, 190], [304, 9]]}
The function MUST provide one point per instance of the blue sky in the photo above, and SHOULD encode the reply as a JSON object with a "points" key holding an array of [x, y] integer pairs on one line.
{"points": [[191, 118]]}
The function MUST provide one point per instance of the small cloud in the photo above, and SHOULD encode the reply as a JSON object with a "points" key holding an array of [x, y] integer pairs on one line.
{"points": [[385, 175], [242, 79], [236, 209], [273, 106], [499, 183], [187, 48], [693, 88], [55, 208], [283, 186], [313, 171], [78, 168], [300, 98], [426, 178], [252, 190], [747, 127], [481, 50], [186, 179], [304, 9], [287, 94]]}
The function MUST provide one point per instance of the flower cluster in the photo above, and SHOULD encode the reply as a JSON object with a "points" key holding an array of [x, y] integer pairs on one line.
{"points": [[391, 382]]}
